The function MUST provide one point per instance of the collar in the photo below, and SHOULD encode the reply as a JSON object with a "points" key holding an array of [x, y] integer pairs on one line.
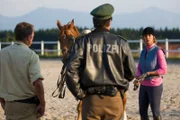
{"points": [[20, 43], [150, 46], [101, 30]]}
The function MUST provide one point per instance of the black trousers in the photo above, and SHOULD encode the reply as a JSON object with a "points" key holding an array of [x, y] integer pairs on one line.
{"points": [[149, 95]]}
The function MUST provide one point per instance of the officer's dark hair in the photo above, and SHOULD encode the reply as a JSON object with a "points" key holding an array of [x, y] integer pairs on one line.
{"points": [[100, 23], [23, 30]]}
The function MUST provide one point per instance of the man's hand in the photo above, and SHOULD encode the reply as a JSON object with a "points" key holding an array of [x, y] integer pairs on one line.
{"points": [[40, 109], [40, 94], [3, 105], [2, 101], [136, 84]]}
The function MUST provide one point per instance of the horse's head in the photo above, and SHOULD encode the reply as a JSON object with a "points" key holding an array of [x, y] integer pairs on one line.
{"points": [[67, 35]]}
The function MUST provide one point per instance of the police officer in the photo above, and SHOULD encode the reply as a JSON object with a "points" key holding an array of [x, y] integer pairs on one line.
{"points": [[100, 65]]}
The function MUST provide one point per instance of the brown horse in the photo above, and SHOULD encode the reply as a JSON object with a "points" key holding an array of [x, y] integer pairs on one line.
{"points": [[68, 33]]}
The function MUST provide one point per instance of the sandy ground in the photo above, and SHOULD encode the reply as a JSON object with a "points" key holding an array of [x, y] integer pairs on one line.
{"points": [[65, 109]]}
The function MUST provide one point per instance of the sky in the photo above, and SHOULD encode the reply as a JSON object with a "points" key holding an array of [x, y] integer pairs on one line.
{"points": [[13, 8]]}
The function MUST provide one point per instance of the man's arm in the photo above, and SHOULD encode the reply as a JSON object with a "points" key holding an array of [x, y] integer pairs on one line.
{"points": [[2, 101], [72, 74], [129, 64], [40, 94]]}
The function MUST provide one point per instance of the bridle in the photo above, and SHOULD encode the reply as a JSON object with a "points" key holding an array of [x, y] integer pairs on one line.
{"points": [[65, 50], [68, 33], [71, 38]]}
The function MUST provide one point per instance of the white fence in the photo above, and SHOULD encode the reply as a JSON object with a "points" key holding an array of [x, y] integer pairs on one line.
{"points": [[140, 42]]}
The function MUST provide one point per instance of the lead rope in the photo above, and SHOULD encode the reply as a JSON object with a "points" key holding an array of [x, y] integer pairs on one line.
{"points": [[61, 86]]}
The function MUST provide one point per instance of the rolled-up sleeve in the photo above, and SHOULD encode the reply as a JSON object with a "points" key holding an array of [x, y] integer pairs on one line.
{"points": [[34, 68]]}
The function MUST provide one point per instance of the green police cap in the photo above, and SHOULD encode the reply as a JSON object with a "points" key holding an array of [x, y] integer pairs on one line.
{"points": [[103, 12]]}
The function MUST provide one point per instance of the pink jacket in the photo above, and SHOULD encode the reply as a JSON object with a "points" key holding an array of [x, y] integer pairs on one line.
{"points": [[162, 69]]}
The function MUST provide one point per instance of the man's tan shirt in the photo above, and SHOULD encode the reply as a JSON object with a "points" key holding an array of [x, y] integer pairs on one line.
{"points": [[19, 68]]}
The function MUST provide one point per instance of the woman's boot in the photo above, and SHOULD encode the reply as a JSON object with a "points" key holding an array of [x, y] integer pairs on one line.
{"points": [[157, 118], [147, 118]]}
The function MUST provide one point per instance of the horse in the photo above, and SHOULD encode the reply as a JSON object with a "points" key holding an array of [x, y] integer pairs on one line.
{"points": [[67, 35]]}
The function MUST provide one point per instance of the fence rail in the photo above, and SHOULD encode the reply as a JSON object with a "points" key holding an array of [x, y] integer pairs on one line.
{"points": [[58, 50]]}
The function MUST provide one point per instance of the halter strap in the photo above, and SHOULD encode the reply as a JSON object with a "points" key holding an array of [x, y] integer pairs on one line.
{"points": [[70, 31]]}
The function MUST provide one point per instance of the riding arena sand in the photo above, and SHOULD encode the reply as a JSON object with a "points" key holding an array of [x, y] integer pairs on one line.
{"points": [[65, 109]]}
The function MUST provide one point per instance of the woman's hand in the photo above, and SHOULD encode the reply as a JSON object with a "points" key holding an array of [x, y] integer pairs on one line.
{"points": [[143, 76]]}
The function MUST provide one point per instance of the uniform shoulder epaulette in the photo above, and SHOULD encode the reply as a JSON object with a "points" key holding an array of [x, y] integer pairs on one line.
{"points": [[122, 38], [81, 36]]}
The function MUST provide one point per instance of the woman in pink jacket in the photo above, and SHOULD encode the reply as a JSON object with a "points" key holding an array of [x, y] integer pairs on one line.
{"points": [[152, 64]]}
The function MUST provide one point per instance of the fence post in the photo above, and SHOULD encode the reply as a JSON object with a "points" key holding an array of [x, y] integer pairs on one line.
{"points": [[167, 48], [0, 45], [141, 45], [42, 47], [58, 48], [12, 42]]}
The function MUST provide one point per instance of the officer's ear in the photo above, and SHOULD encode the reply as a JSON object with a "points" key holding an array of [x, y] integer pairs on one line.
{"points": [[109, 23]]}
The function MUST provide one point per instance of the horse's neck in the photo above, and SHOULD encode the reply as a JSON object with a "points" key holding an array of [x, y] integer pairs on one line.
{"points": [[65, 58]]}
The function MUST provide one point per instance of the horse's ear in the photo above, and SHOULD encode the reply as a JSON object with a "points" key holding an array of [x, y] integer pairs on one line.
{"points": [[59, 24], [72, 23]]}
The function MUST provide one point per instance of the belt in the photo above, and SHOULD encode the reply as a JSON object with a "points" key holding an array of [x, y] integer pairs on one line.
{"points": [[32, 100], [102, 90]]}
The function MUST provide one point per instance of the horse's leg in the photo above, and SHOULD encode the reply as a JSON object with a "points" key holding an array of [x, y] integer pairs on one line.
{"points": [[124, 107], [79, 109]]}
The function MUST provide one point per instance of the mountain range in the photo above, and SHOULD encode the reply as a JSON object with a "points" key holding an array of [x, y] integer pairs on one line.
{"points": [[46, 18]]}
